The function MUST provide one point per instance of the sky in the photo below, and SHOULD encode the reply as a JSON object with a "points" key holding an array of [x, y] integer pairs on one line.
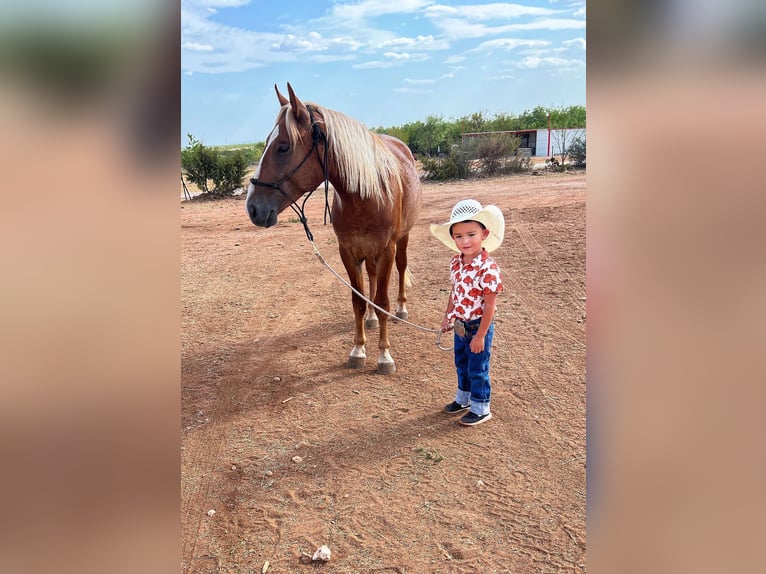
{"points": [[383, 62]]}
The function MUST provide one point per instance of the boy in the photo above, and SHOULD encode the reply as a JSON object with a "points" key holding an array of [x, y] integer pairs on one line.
{"points": [[473, 231]]}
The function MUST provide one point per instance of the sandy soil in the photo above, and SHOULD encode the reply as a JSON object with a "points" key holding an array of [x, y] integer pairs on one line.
{"points": [[384, 478]]}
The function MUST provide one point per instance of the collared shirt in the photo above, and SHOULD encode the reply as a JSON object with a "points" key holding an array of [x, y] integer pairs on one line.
{"points": [[470, 282]]}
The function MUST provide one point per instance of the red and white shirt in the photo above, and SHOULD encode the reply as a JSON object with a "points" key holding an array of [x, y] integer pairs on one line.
{"points": [[470, 282]]}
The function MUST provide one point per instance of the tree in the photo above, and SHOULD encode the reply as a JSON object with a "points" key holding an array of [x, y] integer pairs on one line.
{"points": [[562, 144], [577, 152], [198, 163], [535, 119], [202, 164], [430, 136]]}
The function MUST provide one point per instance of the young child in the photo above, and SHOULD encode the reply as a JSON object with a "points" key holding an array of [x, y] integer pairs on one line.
{"points": [[473, 231]]}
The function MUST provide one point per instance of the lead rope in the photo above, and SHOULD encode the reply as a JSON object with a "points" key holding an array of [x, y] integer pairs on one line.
{"points": [[347, 284]]}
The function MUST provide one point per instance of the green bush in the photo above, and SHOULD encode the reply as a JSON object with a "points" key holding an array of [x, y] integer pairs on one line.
{"points": [[229, 171], [577, 152], [203, 165], [457, 165]]}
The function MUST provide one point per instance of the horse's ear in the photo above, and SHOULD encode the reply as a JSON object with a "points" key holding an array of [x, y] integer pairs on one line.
{"points": [[299, 108], [282, 100]]}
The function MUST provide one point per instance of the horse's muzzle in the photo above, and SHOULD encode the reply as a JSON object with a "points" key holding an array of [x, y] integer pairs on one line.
{"points": [[262, 217]]}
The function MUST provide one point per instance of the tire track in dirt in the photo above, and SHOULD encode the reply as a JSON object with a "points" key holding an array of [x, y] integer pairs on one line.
{"points": [[530, 301]]}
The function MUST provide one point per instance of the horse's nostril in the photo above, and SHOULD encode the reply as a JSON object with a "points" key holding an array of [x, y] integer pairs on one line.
{"points": [[251, 211]]}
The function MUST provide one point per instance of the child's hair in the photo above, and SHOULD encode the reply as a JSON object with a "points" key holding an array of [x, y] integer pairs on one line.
{"points": [[466, 221]]}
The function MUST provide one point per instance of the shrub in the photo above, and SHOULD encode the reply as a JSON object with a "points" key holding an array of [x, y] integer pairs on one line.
{"points": [[457, 165], [229, 171], [202, 164], [577, 152], [499, 154], [198, 163]]}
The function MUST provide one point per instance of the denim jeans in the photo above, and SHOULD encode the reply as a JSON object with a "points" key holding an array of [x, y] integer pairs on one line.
{"points": [[473, 369]]}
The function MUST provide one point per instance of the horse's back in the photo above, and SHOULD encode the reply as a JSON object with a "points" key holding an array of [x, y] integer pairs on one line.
{"points": [[411, 195]]}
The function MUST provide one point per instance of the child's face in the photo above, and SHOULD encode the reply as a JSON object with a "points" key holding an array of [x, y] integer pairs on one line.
{"points": [[468, 236]]}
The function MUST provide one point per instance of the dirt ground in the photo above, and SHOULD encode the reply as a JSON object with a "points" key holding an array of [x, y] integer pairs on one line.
{"points": [[292, 450]]}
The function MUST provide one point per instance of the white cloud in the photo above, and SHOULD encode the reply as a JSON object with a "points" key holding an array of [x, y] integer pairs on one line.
{"points": [[292, 43], [484, 12], [195, 47], [533, 62], [367, 9], [397, 56], [506, 44], [455, 59], [418, 43], [456, 28], [575, 43], [405, 57]]}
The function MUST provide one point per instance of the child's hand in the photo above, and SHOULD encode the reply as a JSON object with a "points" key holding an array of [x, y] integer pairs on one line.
{"points": [[477, 344], [446, 326]]}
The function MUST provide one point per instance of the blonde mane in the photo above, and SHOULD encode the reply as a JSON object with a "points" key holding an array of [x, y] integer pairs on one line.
{"points": [[365, 164]]}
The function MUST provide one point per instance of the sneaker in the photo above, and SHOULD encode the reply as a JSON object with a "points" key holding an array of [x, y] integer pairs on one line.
{"points": [[455, 407], [473, 419]]}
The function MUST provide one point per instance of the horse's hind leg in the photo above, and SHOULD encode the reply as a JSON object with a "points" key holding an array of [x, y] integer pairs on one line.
{"points": [[371, 319], [386, 364], [358, 356], [404, 280]]}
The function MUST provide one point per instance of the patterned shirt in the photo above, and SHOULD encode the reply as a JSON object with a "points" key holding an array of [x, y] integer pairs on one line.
{"points": [[470, 282]]}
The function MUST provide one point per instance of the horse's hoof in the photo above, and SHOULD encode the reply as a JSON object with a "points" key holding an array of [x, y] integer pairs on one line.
{"points": [[386, 368], [402, 315], [356, 362], [371, 323]]}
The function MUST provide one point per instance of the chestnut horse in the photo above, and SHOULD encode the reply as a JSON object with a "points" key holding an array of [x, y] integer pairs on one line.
{"points": [[375, 203]]}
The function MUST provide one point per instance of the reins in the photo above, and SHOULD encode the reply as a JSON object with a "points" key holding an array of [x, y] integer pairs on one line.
{"points": [[317, 136]]}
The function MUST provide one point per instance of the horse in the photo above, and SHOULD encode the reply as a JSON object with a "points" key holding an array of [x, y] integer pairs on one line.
{"points": [[376, 201]]}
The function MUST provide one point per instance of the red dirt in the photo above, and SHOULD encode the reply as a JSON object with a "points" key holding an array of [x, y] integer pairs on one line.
{"points": [[385, 479]]}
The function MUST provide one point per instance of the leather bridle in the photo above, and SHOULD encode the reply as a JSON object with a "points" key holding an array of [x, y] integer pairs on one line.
{"points": [[317, 135]]}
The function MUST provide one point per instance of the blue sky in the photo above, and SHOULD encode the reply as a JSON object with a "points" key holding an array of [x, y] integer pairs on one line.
{"points": [[383, 62]]}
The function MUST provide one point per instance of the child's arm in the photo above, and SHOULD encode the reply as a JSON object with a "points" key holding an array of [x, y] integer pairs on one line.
{"points": [[477, 343], [446, 326]]}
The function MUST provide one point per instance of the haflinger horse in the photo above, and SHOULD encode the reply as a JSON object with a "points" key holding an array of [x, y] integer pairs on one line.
{"points": [[375, 203]]}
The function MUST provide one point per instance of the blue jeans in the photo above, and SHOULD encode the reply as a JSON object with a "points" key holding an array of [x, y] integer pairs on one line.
{"points": [[473, 384]]}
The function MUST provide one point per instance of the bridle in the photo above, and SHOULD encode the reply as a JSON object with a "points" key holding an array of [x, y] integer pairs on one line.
{"points": [[317, 135]]}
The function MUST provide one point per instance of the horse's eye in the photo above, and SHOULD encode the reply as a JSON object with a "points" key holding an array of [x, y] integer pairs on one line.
{"points": [[283, 148]]}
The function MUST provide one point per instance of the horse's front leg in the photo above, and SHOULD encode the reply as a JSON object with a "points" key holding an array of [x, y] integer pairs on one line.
{"points": [[386, 364], [371, 319], [358, 356]]}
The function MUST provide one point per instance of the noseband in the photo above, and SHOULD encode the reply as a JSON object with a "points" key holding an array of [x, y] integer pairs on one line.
{"points": [[317, 135]]}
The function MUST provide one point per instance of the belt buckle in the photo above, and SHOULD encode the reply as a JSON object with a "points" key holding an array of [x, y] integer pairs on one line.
{"points": [[459, 327]]}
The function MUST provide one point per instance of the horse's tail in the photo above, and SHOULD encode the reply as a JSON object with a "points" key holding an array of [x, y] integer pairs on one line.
{"points": [[409, 279]]}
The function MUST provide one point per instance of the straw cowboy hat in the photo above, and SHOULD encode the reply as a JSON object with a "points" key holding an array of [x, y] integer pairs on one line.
{"points": [[489, 216]]}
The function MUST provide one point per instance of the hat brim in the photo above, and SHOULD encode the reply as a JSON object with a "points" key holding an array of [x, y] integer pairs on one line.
{"points": [[490, 216]]}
